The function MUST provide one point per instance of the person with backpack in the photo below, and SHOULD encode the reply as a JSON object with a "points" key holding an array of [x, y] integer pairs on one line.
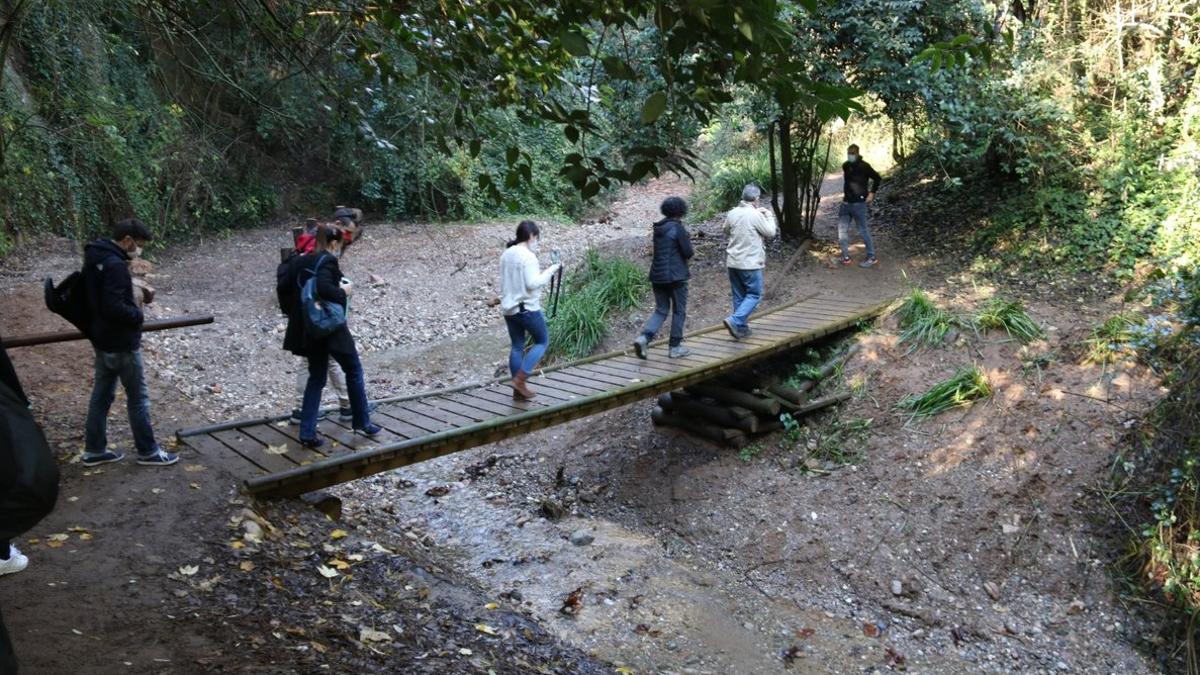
{"points": [[115, 331], [669, 278], [315, 331], [521, 282]]}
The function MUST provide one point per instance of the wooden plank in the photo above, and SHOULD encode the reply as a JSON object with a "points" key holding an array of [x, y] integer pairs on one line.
{"points": [[471, 412], [724, 345], [642, 368], [454, 419], [795, 324], [268, 435], [544, 388], [206, 445], [430, 426], [555, 380], [253, 451], [505, 391], [505, 409], [812, 316], [593, 374]]}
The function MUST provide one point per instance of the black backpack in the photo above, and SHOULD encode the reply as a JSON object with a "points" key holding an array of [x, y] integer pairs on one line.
{"points": [[70, 301]]}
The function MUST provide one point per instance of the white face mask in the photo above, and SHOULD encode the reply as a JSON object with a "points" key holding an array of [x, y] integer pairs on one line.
{"points": [[534, 245], [852, 158]]}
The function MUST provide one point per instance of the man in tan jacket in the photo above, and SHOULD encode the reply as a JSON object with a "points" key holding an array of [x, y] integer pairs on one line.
{"points": [[746, 226]]}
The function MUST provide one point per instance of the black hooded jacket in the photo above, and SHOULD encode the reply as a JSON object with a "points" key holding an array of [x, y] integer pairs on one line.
{"points": [[299, 270], [672, 250], [116, 321]]}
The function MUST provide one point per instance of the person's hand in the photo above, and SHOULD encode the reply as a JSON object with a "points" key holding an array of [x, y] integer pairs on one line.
{"points": [[347, 286], [870, 197]]}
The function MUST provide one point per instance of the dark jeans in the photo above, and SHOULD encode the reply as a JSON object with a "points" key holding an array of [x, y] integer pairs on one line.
{"points": [[5, 549], [519, 325], [318, 372], [8, 660], [128, 368], [666, 297], [858, 213], [747, 289]]}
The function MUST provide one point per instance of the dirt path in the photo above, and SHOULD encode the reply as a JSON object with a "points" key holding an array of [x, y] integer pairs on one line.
{"points": [[701, 562]]}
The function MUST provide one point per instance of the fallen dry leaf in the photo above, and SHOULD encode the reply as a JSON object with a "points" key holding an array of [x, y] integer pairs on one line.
{"points": [[573, 603], [194, 486], [338, 534], [491, 605], [372, 635], [438, 491], [86, 536], [339, 564], [486, 629], [193, 468], [327, 572], [189, 570], [236, 545], [465, 652], [247, 566], [275, 449]]}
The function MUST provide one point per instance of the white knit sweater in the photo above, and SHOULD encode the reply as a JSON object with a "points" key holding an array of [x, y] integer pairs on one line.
{"points": [[521, 280]]}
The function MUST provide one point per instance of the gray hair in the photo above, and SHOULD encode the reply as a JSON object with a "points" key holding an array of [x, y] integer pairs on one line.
{"points": [[751, 193]]}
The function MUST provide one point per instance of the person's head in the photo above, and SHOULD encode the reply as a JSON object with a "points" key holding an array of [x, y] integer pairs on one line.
{"points": [[852, 154], [330, 239], [674, 208], [751, 193], [527, 233], [131, 235], [310, 225]]}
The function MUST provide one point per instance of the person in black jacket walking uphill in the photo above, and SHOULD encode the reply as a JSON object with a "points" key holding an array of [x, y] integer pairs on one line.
{"points": [[669, 277], [330, 287], [861, 182], [115, 331]]}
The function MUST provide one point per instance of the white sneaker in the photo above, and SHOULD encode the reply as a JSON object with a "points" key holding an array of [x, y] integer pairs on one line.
{"points": [[15, 563]]}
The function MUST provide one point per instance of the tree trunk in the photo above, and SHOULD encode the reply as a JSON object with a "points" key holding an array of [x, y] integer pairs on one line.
{"points": [[791, 226]]}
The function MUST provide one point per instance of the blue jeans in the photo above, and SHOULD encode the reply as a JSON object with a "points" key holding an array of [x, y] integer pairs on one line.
{"points": [[318, 372], [128, 368], [669, 299], [520, 325], [747, 287], [857, 211]]}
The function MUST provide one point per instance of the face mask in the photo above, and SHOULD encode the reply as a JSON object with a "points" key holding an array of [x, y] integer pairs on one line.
{"points": [[136, 252], [851, 157], [534, 246], [338, 253]]}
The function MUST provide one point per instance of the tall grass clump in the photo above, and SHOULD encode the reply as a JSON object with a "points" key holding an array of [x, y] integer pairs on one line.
{"points": [[967, 385], [722, 189], [1009, 315], [1110, 341], [603, 285], [922, 322]]}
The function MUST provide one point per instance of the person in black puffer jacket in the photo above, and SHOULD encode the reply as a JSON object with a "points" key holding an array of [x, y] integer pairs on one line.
{"points": [[116, 335], [330, 287], [669, 276]]}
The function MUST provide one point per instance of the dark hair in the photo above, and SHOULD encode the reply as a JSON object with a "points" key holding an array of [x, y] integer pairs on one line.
{"points": [[853, 147], [674, 207], [131, 227], [525, 231], [327, 234], [310, 225]]}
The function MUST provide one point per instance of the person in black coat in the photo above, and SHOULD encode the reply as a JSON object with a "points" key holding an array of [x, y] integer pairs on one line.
{"points": [[322, 265], [669, 277], [115, 330]]}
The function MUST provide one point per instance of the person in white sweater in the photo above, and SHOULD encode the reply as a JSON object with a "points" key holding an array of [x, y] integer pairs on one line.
{"points": [[746, 226], [521, 282]]}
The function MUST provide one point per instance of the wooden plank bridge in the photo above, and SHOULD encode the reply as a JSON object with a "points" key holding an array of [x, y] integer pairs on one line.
{"points": [[423, 426]]}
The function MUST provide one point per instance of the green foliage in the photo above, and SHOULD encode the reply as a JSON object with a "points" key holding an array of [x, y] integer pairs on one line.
{"points": [[1010, 315], [922, 322], [1111, 340], [966, 386], [750, 452], [602, 287]]}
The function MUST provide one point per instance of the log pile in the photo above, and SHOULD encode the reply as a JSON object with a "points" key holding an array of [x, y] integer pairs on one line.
{"points": [[736, 407]]}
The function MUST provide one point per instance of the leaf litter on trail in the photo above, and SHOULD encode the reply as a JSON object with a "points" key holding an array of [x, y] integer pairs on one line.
{"points": [[276, 449], [486, 629], [189, 570], [327, 572], [372, 635], [338, 534], [573, 603]]}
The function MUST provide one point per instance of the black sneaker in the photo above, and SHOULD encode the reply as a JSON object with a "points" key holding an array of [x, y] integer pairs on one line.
{"points": [[345, 414], [102, 458], [160, 458], [745, 333], [370, 431], [312, 442]]}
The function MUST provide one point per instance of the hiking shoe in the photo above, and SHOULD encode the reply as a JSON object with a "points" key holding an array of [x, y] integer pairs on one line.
{"points": [[345, 414], [745, 333], [102, 458], [733, 330], [370, 431], [869, 262], [844, 261], [15, 563], [639, 346], [160, 458], [678, 352], [294, 420], [312, 442]]}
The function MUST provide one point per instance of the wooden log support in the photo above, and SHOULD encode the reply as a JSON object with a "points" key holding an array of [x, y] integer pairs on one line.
{"points": [[705, 413], [762, 406], [69, 335], [733, 437]]}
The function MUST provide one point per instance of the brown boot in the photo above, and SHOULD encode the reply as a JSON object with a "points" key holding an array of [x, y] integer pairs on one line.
{"points": [[520, 389]]}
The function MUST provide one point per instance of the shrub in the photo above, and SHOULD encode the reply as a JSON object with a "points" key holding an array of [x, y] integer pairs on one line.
{"points": [[605, 284], [1110, 341]]}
